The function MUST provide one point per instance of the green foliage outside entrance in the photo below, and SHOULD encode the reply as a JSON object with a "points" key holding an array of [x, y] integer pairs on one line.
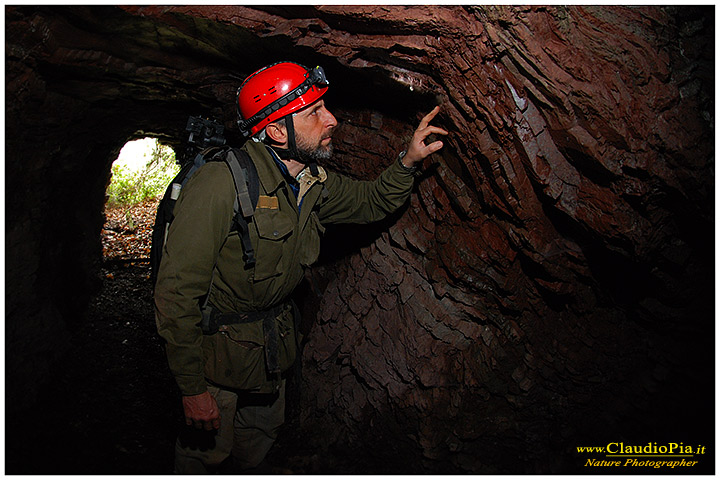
{"points": [[147, 180]]}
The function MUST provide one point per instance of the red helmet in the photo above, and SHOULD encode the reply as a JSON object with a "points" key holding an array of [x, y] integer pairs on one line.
{"points": [[275, 91]]}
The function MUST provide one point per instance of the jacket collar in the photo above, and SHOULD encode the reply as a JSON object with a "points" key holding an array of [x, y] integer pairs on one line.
{"points": [[270, 175]]}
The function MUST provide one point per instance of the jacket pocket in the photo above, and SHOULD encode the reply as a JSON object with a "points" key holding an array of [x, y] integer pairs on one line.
{"points": [[273, 228], [235, 357], [310, 243]]}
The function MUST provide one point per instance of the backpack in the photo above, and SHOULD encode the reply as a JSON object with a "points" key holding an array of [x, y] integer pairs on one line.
{"points": [[247, 188]]}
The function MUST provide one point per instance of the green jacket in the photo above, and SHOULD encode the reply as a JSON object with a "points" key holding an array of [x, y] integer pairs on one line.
{"points": [[200, 249]]}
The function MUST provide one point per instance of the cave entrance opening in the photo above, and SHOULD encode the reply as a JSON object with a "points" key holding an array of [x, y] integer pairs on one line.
{"points": [[140, 175]]}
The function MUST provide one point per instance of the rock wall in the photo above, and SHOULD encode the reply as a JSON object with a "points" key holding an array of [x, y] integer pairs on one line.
{"points": [[551, 280]]}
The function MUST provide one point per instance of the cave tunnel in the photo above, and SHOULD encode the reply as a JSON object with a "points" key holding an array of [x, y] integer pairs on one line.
{"points": [[549, 286]]}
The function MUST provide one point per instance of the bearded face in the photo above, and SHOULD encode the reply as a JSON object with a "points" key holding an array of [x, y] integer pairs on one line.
{"points": [[313, 150], [314, 127]]}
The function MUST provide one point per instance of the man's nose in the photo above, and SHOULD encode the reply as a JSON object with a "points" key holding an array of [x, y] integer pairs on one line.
{"points": [[329, 120]]}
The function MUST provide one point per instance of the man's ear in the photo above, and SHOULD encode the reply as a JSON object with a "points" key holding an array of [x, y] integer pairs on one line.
{"points": [[277, 133]]}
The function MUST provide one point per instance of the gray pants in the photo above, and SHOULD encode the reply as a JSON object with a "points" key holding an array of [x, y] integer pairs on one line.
{"points": [[248, 428]]}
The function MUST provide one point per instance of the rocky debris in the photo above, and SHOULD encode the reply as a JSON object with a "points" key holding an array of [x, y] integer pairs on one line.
{"points": [[127, 233]]}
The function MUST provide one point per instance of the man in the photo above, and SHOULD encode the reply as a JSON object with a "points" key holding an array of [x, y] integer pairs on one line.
{"points": [[232, 381]]}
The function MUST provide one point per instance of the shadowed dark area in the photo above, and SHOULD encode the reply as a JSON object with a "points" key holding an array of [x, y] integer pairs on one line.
{"points": [[549, 285]]}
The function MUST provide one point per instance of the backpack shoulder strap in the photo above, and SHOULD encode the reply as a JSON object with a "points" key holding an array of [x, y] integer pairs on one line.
{"points": [[247, 187], [247, 184]]}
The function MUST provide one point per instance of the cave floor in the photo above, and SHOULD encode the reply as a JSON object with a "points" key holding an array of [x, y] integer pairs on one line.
{"points": [[112, 406]]}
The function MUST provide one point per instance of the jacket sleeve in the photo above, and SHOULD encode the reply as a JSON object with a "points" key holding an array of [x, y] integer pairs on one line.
{"points": [[202, 222], [356, 201]]}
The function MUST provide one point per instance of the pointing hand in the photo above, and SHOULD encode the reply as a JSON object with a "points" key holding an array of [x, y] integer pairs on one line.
{"points": [[417, 151]]}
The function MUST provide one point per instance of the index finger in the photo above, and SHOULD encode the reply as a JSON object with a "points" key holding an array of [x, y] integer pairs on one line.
{"points": [[427, 118]]}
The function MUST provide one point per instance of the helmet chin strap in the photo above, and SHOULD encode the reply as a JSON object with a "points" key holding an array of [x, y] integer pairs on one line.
{"points": [[292, 152]]}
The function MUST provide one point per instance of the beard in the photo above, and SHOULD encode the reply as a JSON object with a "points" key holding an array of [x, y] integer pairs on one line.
{"points": [[310, 153]]}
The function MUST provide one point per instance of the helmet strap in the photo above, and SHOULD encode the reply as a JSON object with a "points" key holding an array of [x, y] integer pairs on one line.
{"points": [[314, 169], [292, 144], [292, 151]]}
